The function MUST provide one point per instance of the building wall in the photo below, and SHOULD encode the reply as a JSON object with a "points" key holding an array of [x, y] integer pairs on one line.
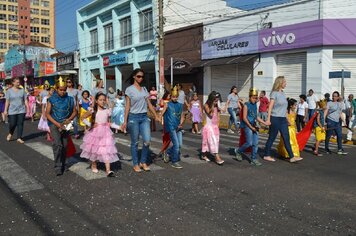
{"points": [[95, 16]]}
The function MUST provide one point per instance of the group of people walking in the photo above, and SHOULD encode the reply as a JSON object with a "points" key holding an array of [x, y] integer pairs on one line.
{"points": [[64, 107]]}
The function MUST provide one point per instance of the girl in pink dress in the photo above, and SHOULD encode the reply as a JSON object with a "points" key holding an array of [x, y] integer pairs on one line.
{"points": [[98, 142], [197, 111], [43, 124], [211, 132], [31, 105]]}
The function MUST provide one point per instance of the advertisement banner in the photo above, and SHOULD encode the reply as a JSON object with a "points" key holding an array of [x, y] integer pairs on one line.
{"points": [[117, 59], [230, 46], [17, 71]]}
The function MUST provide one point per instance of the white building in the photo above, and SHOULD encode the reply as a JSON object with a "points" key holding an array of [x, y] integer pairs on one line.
{"points": [[302, 40]]}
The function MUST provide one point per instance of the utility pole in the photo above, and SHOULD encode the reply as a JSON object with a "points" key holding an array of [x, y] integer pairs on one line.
{"points": [[161, 46], [24, 63]]}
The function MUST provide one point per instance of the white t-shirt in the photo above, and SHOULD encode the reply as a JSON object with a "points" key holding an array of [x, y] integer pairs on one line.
{"points": [[312, 100], [301, 108]]}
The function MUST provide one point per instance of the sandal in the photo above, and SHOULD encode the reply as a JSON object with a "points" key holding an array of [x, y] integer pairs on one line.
{"points": [[219, 161], [268, 158], [317, 154], [20, 141], [205, 158], [137, 169], [145, 167], [8, 138], [110, 174]]}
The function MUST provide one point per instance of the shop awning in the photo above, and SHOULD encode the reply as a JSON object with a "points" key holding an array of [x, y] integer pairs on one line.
{"points": [[228, 60], [64, 72]]}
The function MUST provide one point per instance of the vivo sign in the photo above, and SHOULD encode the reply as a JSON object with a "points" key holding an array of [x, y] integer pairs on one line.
{"points": [[276, 39]]}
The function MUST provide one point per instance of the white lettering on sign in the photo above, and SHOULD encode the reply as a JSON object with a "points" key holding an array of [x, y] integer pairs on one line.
{"points": [[278, 39]]}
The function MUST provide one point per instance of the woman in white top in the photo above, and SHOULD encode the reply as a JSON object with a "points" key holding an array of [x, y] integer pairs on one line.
{"points": [[302, 112]]}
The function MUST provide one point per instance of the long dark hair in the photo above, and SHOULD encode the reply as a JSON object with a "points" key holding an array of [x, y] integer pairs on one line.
{"points": [[232, 88], [95, 108], [291, 103], [211, 98], [131, 79]]}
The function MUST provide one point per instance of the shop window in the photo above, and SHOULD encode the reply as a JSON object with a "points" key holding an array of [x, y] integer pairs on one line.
{"points": [[126, 32], [94, 47], [146, 27], [109, 40]]}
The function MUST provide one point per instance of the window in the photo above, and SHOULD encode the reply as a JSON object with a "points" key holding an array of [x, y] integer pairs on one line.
{"points": [[126, 32], [35, 2], [35, 20], [2, 26], [35, 11], [35, 29], [44, 30], [3, 35], [12, 8], [44, 12], [3, 46], [44, 39], [35, 38], [109, 41], [2, 7], [12, 0], [45, 3], [146, 28], [2, 16], [94, 41], [13, 27], [12, 18], [13, 36], [44, 21]]}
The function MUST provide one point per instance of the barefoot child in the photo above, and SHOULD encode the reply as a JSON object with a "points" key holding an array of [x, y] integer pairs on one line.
{"points": [[173, 120], [319, 128], [248, 124], [197, 112], [98, 142]]}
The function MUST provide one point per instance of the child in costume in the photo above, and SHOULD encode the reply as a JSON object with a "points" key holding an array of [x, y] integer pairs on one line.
{"points": [[118, 112], [2, 105], [249, 127], [60, 112], [197, 113], [98, 142], [210, 132], [84, 106], [31, 104], [319, 128], [43, 124], [291, 110], [173, 120]]}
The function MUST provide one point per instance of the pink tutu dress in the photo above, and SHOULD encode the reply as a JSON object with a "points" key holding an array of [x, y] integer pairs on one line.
{"points": [[98, 142], [43, 124], [195, 110], [211, 134], [31, 106]]}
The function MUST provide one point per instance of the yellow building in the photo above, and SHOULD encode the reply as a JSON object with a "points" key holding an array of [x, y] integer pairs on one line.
{"points": [[25, 21]]}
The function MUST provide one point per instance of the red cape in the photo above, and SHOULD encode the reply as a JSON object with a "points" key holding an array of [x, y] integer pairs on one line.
{"points": [[70, 148], [304, 135]]}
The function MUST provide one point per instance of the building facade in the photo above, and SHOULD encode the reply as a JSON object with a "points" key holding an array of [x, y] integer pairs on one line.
{"points": [[25, 21], [114, 38], [302, 40]]}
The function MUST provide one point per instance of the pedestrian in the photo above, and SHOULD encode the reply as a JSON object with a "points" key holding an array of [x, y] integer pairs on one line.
{"points": [[60, 112], [44, 91], [210, 131], [118, 112], [84, 106], [32, 102], [136, 119], [99, 143], [277, 120], [312, 101], [43, 123], [111, 97], [291, 109], [153, 96], [302, 112], [250, 129], [264, 102], [233, 107], [327, 97], [72, 92], [173, 124], [2, 105], [16, 106], [80, 91], [333, 115], [348, 109], [99, 87], [352, 122], [197, 113], [319, 128]]}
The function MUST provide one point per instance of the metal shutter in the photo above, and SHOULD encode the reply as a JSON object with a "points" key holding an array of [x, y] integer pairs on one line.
{"points": [[223, 77], [346, 61], [244, 78], [294, 68]]}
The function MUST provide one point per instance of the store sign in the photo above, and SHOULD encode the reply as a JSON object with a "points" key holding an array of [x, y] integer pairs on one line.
{"points": [[181, 64], [230, 46], [46, 68], [118, 59], [18, 70], [65, 62]]}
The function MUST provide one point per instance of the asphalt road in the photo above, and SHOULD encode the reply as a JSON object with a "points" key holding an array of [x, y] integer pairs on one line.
{"points": [[314, 197]]}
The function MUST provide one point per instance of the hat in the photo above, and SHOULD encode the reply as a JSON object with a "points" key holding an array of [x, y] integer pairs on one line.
{"points": [[322, 103], [61, 82], [46, 83], [174, 92], [253, 92]]}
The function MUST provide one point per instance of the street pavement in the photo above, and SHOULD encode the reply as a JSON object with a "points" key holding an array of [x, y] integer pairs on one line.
{"points": [[314, 197]]}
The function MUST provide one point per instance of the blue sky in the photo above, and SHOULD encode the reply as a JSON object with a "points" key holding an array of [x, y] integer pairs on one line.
{"points": [[66, 35]]}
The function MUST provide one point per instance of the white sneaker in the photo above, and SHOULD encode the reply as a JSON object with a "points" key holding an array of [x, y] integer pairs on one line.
{"points": [[230, 131]]}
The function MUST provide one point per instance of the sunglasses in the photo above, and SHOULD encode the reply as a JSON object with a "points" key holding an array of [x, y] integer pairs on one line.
{"points": [[140, 76], [69, 81]]}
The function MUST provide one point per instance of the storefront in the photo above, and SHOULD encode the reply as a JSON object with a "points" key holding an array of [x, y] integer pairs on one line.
{"points": [[304, 53], [68, 65]]}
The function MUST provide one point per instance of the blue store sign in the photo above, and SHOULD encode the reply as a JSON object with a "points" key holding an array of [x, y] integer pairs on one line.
{"points": [[118, 59]]}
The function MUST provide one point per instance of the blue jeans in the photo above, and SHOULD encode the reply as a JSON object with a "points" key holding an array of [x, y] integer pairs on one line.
{"points": [[177, 141], [139, 124], [310, 113], [263, 115], [278, 124], [251, 140], [233, 118], [333, 126], [16, 120], [75, 125]]}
